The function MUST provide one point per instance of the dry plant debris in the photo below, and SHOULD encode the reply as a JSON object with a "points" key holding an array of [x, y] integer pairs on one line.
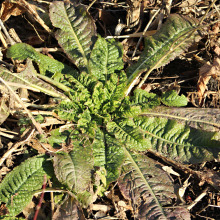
{"points": [[31, 87]]}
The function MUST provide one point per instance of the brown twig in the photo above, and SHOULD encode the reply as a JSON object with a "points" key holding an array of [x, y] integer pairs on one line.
{"points": [[37, 126], [16, 145], [145, 30], [33, 13]]}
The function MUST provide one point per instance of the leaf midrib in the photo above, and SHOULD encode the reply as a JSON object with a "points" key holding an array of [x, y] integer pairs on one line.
{"points": [[145, 181], [77, 40], [23, 182], [181, 118], [134, 72]]}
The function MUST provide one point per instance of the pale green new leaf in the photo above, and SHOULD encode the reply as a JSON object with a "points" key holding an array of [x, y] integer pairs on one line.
{"points": [[178, 141], [76, 32], [114, 88], [99, 96], [171, 98], [126, 132], [68, 111], [105, 59], [143, 178], [74, 169], [19, 186]]}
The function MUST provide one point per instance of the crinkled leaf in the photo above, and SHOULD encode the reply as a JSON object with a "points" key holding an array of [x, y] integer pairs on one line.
{"points": [[171, 98], [129, 111], [86, 124], [98, 147], [158, 51], [99, 95], [114, 158], [108, 153], [177, 141], [84, 119], [143, 178], [19, 186], [82, 82], [144, 99], [105, 59], [73, 169], [200, 118], [76, 32], [127, 133], [114, 88], [68, 111]]}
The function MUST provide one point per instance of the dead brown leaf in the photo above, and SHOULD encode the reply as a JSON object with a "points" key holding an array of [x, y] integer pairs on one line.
{"points": [[41, 149], [3, 210], [9, 9], [69, 211], [205, 73]]}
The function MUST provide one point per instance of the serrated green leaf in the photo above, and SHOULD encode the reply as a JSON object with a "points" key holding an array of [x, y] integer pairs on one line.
{"points": [[177, 141], [127, 133], [171, 98], [128, 111], [76, 32], [145, 99], [158, 50], [105, 59], [84, 122], [74, 169], [146, 179], [68, 111], [19, 186], [82, 81]]}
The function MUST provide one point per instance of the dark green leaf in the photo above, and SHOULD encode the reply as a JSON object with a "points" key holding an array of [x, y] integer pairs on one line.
{"points": [[177, 141], [143, 178], [163, 46], [74, 169], [76, 32], [19, 186]]}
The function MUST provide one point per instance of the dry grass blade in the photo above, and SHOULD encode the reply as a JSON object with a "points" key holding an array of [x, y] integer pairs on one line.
{"points": [[27, 135], [37, 125]]}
